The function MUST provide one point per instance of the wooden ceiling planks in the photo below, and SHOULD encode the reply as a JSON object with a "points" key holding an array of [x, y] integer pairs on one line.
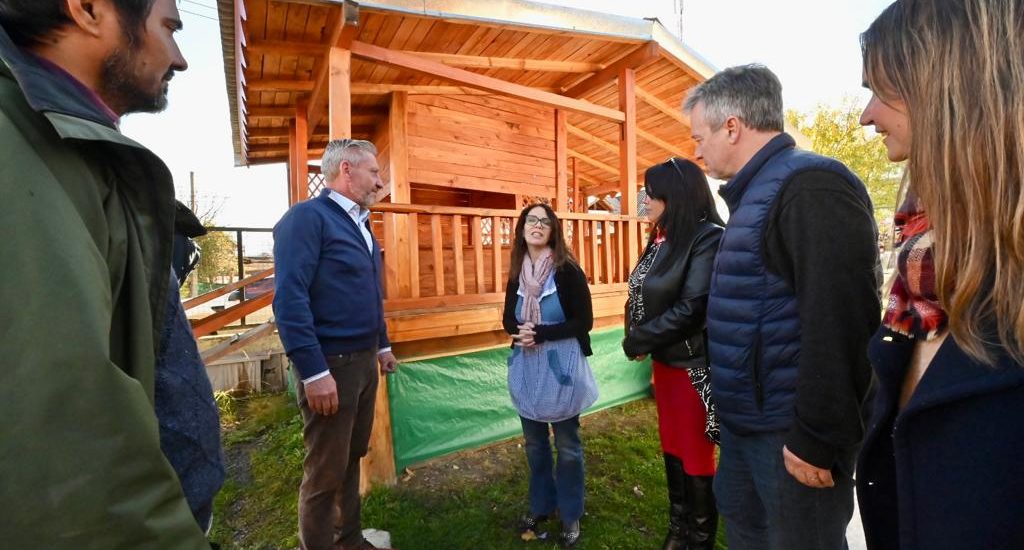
{"points": [[316, 24], [306, 23], [372, 25], [257, 29], [573, 50], [383, 73], [600, 52], [387, 33], [531, 45], [419, 34], [481, 39], [554, 51], [316, 21], [277, 15]]}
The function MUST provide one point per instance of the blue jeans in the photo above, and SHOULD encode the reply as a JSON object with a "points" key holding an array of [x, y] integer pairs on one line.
{"points": [[554, 485], [765, 508]]}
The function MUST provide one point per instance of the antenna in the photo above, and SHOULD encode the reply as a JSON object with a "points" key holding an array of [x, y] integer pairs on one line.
{"points": [[677, 6]]}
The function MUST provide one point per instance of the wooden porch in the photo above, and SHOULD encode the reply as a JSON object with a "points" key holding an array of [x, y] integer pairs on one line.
{"points": [[445, 280], [474, 115]]}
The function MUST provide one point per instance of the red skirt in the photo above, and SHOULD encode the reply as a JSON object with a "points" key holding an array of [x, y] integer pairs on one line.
{"points": [[681, 418]]}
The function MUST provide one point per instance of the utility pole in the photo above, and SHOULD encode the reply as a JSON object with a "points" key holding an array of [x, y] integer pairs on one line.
{"points": [[193, 278], [192, 190]]}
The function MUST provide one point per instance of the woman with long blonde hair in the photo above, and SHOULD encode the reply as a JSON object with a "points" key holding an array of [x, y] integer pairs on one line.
{"points": [[942, 464]]}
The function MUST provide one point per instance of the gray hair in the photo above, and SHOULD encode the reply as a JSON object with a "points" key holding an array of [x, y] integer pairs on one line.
{"points": [[751, 93], [352, 150]]}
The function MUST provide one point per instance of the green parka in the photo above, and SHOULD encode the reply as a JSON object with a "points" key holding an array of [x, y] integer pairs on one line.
{"points": [[86, 219]]}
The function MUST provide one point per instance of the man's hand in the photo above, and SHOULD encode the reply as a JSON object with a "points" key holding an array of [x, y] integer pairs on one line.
{"points": [[811, 476], [322, 395], [388, 362], [525, 336]]}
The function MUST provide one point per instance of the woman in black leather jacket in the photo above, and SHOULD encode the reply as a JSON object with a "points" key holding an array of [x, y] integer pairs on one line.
{"points": [[668, 296]]}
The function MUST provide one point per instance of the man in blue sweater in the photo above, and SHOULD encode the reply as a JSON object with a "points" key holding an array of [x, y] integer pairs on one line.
{"points": [[330, 314]]}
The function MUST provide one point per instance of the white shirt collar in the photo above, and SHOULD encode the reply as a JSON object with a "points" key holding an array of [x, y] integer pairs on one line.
{"points": [[354, 210]]}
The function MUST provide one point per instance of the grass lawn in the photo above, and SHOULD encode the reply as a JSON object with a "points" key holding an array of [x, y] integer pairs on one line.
{"points": [[467, 500]]}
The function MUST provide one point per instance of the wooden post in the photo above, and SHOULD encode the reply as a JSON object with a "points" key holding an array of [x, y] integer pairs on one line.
{"points": [[299, 147], [399, 168], [627, 159], [581, 252], [391, 266], [460, 271], [496, 252], [577, 196], [607, 246], [293, 163], [378, 466], [339, 98], [478, 253], [414, 254], [561, 163], [400, 262], [437, 248]]}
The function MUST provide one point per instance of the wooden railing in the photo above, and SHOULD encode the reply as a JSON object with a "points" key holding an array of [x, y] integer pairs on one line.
{"points": [[453, 259], [216, 321], [437, 256]]}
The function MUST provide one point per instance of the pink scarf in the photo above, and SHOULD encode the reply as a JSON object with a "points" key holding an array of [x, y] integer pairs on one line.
{"points": [[532, 277]]}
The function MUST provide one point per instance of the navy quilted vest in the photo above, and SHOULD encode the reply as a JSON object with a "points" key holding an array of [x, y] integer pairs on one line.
{"points": [[753, 322]]}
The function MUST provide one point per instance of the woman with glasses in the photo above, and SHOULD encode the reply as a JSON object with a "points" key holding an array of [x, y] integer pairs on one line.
{"points": [[665, 315], [942, 465], [549, 315]]}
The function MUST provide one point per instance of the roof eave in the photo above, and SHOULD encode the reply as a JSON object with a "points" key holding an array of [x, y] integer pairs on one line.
{"points": [[226, 16]]}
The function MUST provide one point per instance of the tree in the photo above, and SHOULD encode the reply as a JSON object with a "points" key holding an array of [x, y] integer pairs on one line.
{"points": [[836, 132], [217, 257]]}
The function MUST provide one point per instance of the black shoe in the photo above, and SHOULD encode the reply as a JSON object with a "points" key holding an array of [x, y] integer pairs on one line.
{"points": [[679, 509], [703, 518], [531, 527], [676, 537], [570, 534]]}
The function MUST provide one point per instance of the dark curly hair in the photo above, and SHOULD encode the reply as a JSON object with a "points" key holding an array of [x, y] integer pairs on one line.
{"points": [[560, 251], [30, 22]]}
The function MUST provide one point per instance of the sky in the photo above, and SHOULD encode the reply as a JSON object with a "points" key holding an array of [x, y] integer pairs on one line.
{"points": [[812, 45]]}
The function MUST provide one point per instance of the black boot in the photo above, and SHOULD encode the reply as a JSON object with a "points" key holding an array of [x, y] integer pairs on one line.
{"points": [[703, 517], [678, 510]]}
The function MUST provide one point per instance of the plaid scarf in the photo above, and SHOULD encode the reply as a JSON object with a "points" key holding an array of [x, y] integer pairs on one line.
{"points": [[913, 307]]}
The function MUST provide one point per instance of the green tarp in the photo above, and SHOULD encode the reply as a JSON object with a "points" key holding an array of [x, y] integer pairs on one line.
{"points": [[447, 404]]}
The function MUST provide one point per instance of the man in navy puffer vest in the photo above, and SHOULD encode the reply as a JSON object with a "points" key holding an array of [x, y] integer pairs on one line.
{"points": [[792, 305]]}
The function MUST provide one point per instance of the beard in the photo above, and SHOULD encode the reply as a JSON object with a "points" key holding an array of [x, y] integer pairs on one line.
{"points": [[122, 88]]}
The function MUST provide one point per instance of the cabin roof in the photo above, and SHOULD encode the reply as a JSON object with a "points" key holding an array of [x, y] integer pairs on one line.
{"points": [[274, 52]]}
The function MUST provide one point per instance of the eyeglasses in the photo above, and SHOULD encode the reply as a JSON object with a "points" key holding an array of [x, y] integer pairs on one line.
{"points": [[534, 220]]}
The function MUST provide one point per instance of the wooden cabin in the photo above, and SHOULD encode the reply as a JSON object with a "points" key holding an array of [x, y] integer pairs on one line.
{"points": [[477, 107]]}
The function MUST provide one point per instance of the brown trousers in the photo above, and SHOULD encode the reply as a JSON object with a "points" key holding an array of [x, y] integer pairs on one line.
{"points": [[329, 494]]}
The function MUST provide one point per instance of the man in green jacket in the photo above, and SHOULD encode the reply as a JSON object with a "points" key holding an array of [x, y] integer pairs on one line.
{"points": [[86, 222]]}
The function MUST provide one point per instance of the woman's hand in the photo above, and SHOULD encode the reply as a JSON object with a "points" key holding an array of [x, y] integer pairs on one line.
{"points": [[626, 349], [526, 335]]}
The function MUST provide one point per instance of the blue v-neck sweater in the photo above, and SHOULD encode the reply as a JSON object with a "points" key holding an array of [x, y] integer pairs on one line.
{"points": [[327, 285]]}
